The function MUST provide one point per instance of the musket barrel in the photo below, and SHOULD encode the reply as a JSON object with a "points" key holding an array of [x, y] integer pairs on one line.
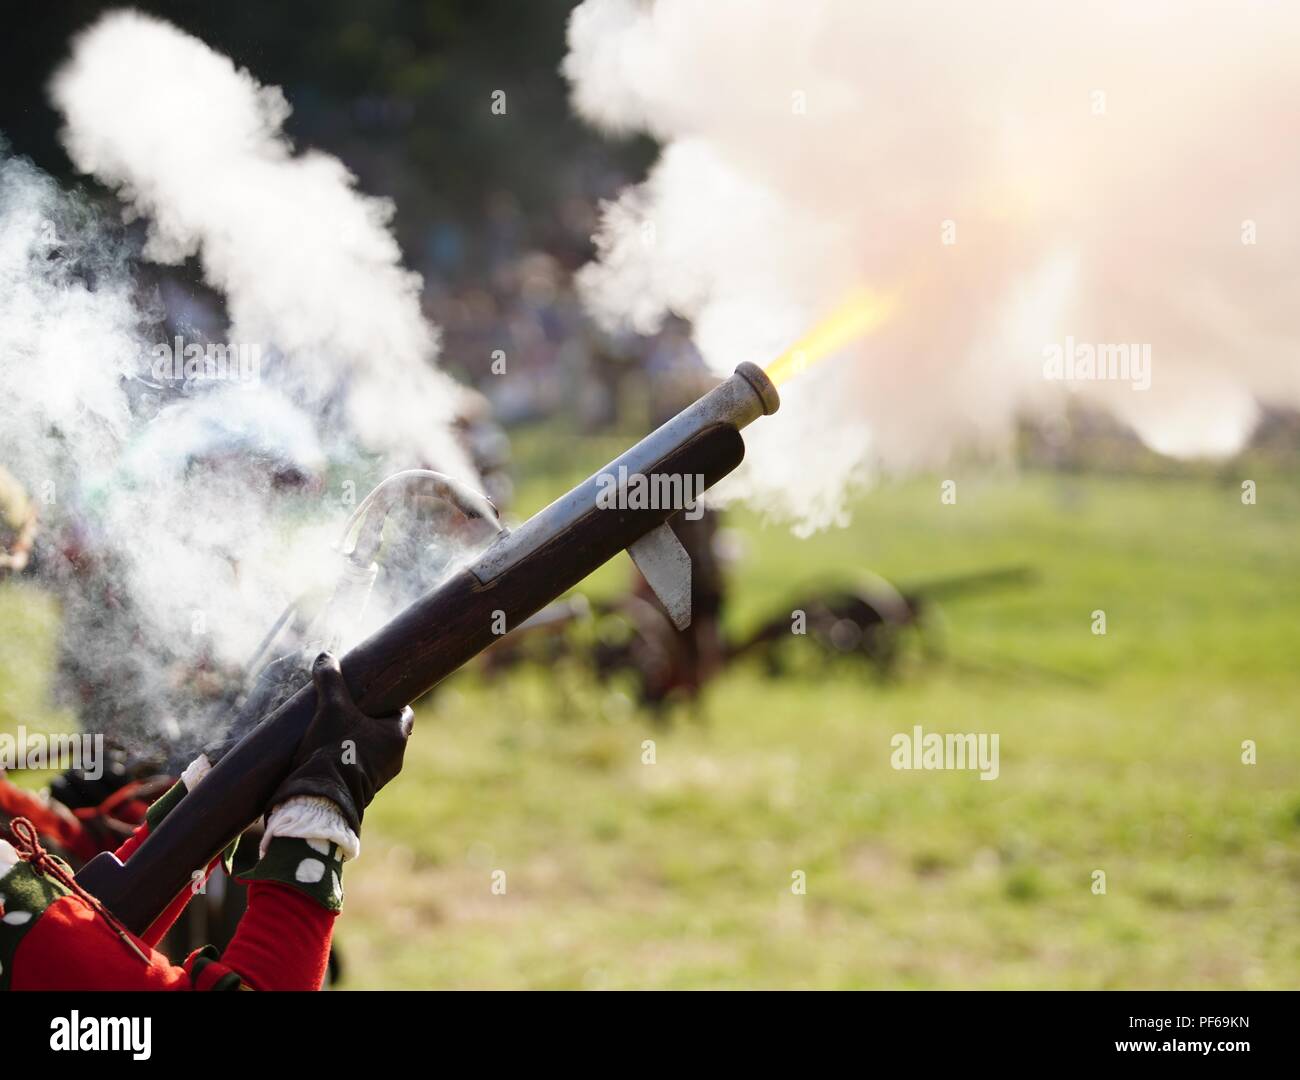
{"points": [[519, 574]]}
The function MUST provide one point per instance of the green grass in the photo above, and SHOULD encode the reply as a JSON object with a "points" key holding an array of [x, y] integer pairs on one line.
{"points": [[1119, 753]]}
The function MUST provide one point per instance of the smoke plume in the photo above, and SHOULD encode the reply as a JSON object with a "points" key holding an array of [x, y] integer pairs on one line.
{"points": [[69, 327], [306, 262], [181, 515], [1018, 177]]}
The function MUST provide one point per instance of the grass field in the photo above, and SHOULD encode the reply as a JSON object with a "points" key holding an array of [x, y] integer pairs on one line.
{"points": [[1120, 753]]}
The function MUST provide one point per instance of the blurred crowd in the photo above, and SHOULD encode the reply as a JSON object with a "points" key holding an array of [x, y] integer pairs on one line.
{"points": [[513, 323]]}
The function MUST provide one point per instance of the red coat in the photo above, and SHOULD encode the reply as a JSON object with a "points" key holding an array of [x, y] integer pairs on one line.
{"points": [[53, 939]]}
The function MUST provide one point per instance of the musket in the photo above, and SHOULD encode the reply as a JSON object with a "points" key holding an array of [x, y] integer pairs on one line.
{"points": [[516, 575]]}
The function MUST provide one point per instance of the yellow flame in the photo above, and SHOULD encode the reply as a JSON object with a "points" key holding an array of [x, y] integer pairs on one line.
{"points": [[864, 312]]}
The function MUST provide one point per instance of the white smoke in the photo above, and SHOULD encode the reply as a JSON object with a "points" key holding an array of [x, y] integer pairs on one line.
{"points": [[164, 567], [307, 263], [64, 344], [169, 530], [1103, 170]]}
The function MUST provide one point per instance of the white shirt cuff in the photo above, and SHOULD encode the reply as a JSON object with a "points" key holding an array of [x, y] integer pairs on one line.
{"points": [[311, 817], [195, 771]]}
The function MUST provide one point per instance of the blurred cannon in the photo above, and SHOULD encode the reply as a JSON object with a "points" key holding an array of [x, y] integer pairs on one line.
{"points": [[631, 639], [868, 621]]}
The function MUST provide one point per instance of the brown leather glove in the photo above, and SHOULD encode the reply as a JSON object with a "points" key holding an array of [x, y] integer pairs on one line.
{"points": [[345, 756]]}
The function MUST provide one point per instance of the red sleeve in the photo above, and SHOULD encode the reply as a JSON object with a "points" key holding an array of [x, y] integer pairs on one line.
{"points": [[283, 940], [282, 943]]}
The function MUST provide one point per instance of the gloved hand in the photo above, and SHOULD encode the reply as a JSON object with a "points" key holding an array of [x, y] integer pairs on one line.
{"points": [[345, 755]]}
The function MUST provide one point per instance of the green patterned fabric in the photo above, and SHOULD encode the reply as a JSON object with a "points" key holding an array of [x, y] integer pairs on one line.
{"points": [[164, 805], [314, 867], [24, 896]]}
